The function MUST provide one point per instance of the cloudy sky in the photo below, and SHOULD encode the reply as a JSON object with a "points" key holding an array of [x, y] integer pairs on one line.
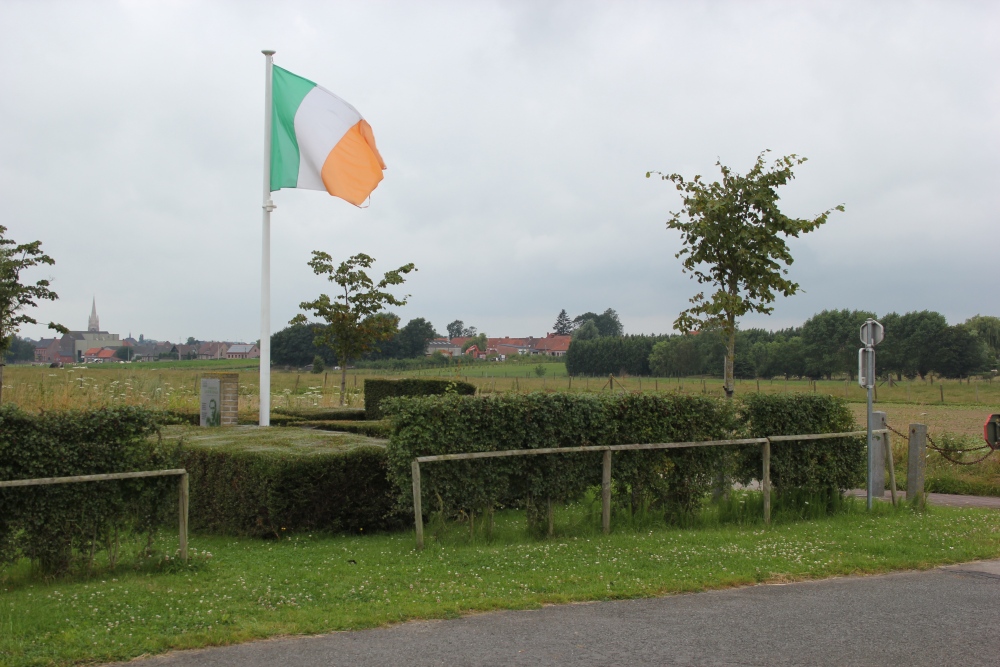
{"points": [[517, 136]]}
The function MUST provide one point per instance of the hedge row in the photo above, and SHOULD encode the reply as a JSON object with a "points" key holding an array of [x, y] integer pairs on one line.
{"points": [[288, 481], [57, 526], [377, 391], [672, 480], [379, 429]]}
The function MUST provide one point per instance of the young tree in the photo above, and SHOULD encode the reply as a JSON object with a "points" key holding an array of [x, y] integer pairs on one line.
{"points": [[16, 296], [734, 239], [563, 325], [355, 321]]}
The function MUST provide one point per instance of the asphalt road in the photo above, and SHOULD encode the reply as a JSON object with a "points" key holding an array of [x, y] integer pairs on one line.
{"points": [[946, 616]]}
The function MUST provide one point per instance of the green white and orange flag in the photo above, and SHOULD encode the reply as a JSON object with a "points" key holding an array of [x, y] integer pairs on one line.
{"points": [[320, 142]]}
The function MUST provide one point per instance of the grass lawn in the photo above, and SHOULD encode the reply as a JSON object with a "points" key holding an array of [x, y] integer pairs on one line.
{"points": [[236, 589]]}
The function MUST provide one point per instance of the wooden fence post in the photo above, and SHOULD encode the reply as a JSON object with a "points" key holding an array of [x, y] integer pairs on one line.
{"points": [[418, 515], [915, 464], [606, 493], [182, 519], [765, 483]]}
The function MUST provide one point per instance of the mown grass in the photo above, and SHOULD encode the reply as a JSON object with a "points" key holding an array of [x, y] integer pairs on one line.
{"points": [[237, 590]]}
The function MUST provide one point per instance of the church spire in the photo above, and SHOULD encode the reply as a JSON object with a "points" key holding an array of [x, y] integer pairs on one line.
{"points": [[93, 324]]}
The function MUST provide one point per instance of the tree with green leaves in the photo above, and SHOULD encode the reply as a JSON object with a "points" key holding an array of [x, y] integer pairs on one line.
{"points": [[563, 325], [15, 295], [734, 239], [455, 329], [413, 338], [587, 331], [607, 323], [354, 317]]}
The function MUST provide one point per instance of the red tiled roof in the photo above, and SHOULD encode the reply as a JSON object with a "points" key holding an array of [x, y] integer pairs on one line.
{"points": [[553, 344]]}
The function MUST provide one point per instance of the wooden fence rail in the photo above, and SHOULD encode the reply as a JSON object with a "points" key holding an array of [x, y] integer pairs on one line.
{"points": [[606, 464], [182, 487]]}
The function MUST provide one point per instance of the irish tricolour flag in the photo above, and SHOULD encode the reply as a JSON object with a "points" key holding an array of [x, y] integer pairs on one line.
{"points": [[320, 142]]}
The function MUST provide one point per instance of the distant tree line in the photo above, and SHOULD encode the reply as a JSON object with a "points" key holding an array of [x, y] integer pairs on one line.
{"points": [[826, 345], [295, 345]]}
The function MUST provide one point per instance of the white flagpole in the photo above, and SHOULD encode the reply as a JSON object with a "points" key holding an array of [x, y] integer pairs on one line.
{"points": [[265, 261]]}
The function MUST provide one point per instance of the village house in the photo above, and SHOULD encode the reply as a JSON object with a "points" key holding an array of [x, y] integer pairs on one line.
{"points": [[47, 351], [242, 351]]}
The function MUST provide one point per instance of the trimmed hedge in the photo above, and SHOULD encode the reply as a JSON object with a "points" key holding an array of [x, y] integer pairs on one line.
{"points": [[379, 429], [60, 525], [815, 465], [321, 414], [268, 484], [673, 481], [377, 391]]}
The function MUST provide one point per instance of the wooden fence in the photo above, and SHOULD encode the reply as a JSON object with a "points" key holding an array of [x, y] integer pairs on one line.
{"points": [[182, 486], [765, 444]]}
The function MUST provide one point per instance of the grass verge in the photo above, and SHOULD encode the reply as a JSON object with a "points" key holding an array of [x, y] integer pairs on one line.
{"points": [[237, 590]]}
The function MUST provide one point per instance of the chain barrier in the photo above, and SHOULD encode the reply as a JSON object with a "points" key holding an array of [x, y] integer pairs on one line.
{"points": [[945, 451]]}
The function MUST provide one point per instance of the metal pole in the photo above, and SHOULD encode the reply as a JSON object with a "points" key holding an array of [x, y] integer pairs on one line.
{"points": [[265, 261], [871, 447]]}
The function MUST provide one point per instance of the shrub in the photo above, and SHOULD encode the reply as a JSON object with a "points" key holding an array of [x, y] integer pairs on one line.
{"points": [[266, 484], [811, 465], [379, 429], [377, 391], [58, 525], [673, 480]]}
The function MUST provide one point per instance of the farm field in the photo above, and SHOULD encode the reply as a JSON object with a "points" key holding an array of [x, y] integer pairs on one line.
{"points": [[173, 385], [239, 589]]}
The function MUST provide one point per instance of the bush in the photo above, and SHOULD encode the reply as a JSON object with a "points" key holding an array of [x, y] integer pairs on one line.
{"points": [[811, 465], [377, 391], [379, 429], [673, 480], [313, 414], [317, 365], [58, 525], [268, 484]]}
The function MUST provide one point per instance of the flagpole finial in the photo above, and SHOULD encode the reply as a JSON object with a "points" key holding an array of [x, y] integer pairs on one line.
{"points": [[268, 52]]}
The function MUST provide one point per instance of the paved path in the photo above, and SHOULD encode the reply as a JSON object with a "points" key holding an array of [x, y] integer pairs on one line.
{"points": [[946, 616], [943, 499]]}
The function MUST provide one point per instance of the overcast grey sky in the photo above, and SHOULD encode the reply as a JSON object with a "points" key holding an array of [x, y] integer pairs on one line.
{"points": [[517, 136]]}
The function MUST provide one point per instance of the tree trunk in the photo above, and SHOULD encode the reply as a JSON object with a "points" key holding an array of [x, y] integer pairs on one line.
{"points": [[343, 383], [1, 381], [728, 383]]}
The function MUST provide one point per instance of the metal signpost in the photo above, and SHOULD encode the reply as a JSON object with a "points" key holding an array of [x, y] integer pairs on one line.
{"points": [[872, 334]]}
